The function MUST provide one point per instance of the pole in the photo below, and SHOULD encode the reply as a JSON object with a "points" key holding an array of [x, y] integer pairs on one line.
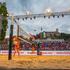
{"points": [[1, 18], [10, 39], [17, 30]]}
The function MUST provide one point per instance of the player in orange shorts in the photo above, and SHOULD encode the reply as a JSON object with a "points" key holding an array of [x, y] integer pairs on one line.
{"points": [[16, 46], [33, 48]]}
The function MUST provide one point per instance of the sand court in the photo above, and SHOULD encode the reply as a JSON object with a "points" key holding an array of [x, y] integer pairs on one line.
{"points": [[36, 62]]}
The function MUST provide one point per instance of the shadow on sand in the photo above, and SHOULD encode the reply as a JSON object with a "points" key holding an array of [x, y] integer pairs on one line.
{"points": [[4, 68]]}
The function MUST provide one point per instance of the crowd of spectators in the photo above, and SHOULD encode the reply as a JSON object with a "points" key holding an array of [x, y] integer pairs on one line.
{"points": [[53, 46], [47, 46]]}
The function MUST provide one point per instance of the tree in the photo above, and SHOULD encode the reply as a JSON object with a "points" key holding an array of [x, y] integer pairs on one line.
{"points": [[3, 12], [65, 36]]}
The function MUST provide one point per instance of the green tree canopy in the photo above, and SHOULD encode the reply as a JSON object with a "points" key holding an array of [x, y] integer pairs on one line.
{"points": [[3, 12]]}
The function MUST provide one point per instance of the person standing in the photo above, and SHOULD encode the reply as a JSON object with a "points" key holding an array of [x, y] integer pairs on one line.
{"points": [[16, 45], [38, 48], [33, 48]]}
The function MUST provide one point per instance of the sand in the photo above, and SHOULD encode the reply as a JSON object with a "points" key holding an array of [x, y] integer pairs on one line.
{"points": [[35, 62]]}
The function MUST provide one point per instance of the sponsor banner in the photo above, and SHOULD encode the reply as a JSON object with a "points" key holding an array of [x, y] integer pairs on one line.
{"points": [[35, 52]]}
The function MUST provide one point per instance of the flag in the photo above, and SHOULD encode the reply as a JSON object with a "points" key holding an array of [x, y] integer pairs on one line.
{"points": [[43, 35]]}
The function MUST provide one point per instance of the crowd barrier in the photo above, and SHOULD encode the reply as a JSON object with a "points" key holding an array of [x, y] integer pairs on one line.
{"points": [[35, 52]]}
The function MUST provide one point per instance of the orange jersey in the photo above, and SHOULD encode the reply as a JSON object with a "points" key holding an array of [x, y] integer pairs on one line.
{"points": [[16, 43]]}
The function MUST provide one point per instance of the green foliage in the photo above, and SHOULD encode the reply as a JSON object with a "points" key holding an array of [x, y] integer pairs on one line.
{"points": [[3, 12], [65, 36]]}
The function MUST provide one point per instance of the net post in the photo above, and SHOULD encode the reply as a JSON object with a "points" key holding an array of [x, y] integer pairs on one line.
{"points": [[11, 39]]}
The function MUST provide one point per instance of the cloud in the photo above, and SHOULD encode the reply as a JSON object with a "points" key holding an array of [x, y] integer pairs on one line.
{"points": [[38, 6], [14, 7], [47, 24]]}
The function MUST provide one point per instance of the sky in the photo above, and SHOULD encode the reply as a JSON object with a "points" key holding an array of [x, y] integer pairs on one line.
{"points": [[19, 7]]}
